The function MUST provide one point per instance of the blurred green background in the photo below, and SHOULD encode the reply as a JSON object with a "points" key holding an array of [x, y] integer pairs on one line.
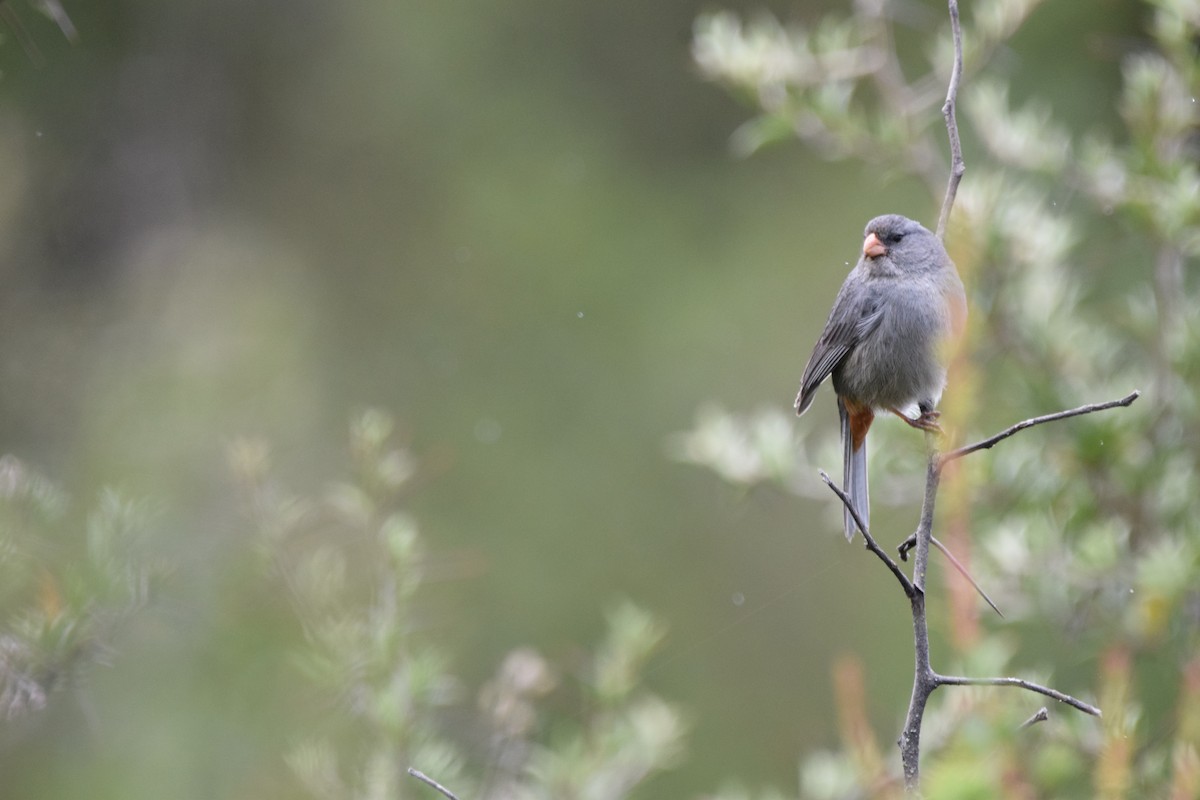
{"points": [[518, 227]]}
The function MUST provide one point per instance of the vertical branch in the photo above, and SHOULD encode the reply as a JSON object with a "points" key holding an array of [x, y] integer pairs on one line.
{"points": [[924, 678], [949, 112], [923, 686], [933, 477]]}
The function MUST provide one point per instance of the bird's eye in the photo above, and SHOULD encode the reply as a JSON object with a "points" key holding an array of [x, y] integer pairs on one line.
{"points": [[897, 237]]}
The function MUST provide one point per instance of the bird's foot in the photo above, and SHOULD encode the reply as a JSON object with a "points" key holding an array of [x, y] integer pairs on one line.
{"points": [[927, 421]]}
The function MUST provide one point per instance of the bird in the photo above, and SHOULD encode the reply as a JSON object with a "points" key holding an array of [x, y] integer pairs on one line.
{"points": [[883, 343]]}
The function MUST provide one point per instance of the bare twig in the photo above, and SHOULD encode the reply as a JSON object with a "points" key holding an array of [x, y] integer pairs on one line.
{"points": [[963, 571], [989, 442], [956, 680], [905, 583], [1041, 715], [949, 109], [428, 781], [911, 542]]}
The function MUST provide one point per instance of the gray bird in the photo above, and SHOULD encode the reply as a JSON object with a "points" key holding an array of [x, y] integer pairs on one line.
{"points": [[883, 340]]}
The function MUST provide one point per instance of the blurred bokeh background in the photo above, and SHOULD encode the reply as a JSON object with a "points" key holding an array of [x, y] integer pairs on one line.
{"points": [[519, 228]]}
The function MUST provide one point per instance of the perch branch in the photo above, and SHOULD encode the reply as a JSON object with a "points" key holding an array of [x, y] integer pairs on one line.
{"points": [[949, 112], [905, 583], [428, 781], [957, 680], [925, 680], [989, 442]]}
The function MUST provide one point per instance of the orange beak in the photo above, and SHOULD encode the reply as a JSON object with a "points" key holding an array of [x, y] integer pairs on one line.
{"points": [[872, 247]]}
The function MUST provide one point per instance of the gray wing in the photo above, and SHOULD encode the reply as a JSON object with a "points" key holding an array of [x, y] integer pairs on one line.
{"points": [[856, 313]]}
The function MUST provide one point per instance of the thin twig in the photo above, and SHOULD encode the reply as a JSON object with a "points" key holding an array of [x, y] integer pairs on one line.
{"points": [[428, 781], [911, 542], [1041, 715], [905, 583], [958, 680], [963, 571], [1029, 423], [949, 109]]}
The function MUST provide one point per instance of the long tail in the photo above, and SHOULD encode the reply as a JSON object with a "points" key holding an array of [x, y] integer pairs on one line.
{"points": [[854, 482]]}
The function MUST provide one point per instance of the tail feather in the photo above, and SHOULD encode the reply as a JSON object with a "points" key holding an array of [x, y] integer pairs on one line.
{"points": [[854, 481]]}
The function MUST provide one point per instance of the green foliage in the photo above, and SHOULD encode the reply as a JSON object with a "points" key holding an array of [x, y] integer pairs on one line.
{"points": [[1089, 527], [63, 616], [367, 649]]}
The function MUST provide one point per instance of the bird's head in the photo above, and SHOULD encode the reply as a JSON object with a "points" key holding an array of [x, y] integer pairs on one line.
{"points": [[906, 244]]}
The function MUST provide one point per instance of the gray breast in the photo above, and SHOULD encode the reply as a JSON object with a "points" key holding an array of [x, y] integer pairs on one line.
{"points": [[897, 364]]}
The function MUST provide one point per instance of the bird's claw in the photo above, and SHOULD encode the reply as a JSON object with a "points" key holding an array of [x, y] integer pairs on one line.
{"points": [[927, 421]]}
